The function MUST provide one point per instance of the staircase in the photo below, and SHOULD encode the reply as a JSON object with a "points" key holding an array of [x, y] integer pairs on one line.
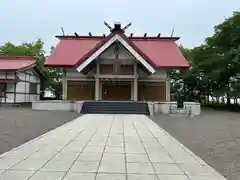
{"points": [[115, 107]]}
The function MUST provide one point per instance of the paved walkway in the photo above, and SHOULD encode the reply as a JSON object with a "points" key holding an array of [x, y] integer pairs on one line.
{"points": [[105, 147]]}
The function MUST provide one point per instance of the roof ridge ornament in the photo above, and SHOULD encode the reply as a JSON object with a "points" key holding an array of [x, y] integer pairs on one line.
{"points": [[127, 26], [108, 26], [117, 27]]}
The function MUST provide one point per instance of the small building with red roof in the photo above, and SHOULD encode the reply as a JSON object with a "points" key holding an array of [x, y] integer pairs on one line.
{"points": [[116, 67], [19, 79]]}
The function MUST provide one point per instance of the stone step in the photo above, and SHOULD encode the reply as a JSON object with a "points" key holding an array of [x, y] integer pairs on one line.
{"points": [[115, 107]]}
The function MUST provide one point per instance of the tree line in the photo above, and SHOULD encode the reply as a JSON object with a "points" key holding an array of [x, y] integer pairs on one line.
{"points": [[214, 66]]}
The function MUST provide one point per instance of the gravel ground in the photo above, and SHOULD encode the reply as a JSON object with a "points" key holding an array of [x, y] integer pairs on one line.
{"points": [[19, 125], [214, 136]]}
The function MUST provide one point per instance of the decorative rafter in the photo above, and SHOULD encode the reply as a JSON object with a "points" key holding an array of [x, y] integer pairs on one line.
{"points": [[127, 26], [108, 26]]}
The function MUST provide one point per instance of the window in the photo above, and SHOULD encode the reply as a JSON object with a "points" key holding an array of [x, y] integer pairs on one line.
{"points": [[33, 88]]}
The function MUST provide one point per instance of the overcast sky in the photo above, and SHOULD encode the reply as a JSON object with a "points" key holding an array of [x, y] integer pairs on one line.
{"points": [[193, 20]]}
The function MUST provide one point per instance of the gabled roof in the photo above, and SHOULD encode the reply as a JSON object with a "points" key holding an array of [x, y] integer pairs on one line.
{"points": [[16, 63], [20, 63], [120, 37], [157, 52]]}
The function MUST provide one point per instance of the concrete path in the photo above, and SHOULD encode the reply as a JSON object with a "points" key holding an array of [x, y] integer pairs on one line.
{"points": [[105, 147]]}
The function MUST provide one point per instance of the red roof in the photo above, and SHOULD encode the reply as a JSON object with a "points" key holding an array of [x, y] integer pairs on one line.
{"points": [[16, 62], [161, 52], [164, 53], [68, 51]]}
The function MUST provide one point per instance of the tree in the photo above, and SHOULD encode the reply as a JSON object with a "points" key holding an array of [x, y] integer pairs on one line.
{"points": [[25, 49], [55, 80], [35, 49], [215, 65], [225, 54]]}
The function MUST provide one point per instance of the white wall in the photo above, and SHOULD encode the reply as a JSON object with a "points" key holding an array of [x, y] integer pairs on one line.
{"points": [[22, 88], [9, 96], [190, 108], [57, 105]]}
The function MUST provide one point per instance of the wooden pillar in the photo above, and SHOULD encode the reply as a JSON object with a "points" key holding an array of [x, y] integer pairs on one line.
{"points": [[64, 84], [135, 83], [97, 82], [97, 89], [135, 86], [132, 90]]}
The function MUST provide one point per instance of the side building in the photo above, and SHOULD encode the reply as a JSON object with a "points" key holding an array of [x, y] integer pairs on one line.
{"points": [[19, 80]]}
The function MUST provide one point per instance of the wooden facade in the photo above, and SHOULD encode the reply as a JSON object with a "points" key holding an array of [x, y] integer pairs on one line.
{"points": [[152, 91], [81, 90], [116, 90], [117, 86]]}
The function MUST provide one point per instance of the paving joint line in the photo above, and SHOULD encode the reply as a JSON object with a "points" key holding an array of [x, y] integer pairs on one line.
{"points": [[54, 155], [124, 146], [80, 153], [5, 170], [145, 150], [57, 152], [104, 147], [193, 155], [165, 148]]}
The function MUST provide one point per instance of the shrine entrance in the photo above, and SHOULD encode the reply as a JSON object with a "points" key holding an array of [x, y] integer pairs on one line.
{"points": [[116, 90]]}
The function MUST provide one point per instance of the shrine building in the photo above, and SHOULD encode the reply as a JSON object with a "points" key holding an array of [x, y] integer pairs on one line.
{"points": [[116, 67]]}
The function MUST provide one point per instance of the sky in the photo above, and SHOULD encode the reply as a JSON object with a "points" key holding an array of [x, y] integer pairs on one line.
{"points": [[192, 20]]}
